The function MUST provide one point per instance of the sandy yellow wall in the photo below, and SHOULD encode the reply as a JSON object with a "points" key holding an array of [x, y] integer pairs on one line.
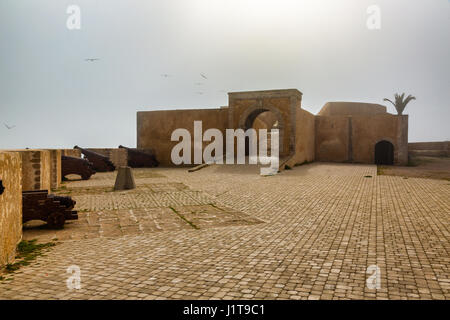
{"points": [[305, 137], [154, 128], [431, 149], [368, 130], [353, 139], [36, 169], [10, 206], [45, 178], [71, 153], [55, 168], [331, 138], [351, 109]]}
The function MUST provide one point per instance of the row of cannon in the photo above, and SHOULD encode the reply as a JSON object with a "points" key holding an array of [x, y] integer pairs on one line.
{"points": [[56, 210], [95, 162]]}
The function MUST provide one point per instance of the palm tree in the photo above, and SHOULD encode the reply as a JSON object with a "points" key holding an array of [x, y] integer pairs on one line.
{"points": [[400, 102]]}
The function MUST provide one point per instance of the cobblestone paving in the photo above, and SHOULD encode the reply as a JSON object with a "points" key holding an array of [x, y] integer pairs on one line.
{"points": [[320, 227]]}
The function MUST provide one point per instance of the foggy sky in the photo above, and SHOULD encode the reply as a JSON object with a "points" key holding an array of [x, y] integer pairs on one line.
{"points": [[321, 47]]}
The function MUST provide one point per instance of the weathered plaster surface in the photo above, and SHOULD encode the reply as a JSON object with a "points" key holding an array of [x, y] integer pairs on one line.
{"points": [[341, 132], [10, 206]]}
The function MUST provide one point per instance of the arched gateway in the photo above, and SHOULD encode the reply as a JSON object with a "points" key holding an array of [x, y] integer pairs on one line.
{"points": [[245, 107]]}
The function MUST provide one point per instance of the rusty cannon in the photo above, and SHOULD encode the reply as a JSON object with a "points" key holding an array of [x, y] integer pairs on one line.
{"points": [[100, 162], [55, 210], [73, 165], [140, 159]]}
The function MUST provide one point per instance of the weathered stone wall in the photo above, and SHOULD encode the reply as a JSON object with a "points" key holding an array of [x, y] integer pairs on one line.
{"points": [[55, 172], [154, 129], [342, 132], [332, 138], [430, 149], [118, 156], [36, 169], [305, 137], [353, 138], [368, 130], [351, 109], [10, 205], [71, 153], [45, 170]]}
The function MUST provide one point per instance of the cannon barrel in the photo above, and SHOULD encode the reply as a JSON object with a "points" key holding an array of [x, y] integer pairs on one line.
{"points": [[73, 165], [100, 162], [88, 153], [140, 159]]}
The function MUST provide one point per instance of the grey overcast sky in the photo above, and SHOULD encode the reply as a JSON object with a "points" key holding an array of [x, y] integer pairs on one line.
{"points": [[322, 47]]}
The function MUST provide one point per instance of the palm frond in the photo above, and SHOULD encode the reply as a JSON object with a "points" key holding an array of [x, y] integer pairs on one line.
{"points": [[408, 99], [386, 99], [400, 101]]}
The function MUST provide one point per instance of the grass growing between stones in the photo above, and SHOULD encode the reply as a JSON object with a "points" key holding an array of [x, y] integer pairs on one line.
{"points": [[184, 218], [27, 251]]}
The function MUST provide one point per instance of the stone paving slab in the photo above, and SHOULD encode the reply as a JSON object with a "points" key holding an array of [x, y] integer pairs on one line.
{"points": [[322, 226]]}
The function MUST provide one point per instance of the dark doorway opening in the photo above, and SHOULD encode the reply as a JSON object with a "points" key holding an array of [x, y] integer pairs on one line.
{"points": [[384, 153]]}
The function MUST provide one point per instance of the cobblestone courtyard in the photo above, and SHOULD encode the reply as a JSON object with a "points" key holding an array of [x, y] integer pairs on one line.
{"points": [[225, 232]]}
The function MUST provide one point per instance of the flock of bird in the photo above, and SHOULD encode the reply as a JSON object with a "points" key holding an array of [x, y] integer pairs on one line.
{"points": [[164, 75]]}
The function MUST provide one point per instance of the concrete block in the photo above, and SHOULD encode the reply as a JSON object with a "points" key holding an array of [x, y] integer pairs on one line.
{"points": [[124, 179]]}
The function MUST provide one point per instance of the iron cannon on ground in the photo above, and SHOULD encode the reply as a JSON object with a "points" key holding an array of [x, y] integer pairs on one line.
{"points": [[55, 210], [140, 158], [79, 166], [100, 162]]}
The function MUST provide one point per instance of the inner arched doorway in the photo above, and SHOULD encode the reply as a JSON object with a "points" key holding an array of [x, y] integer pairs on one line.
{"points": [[384, 153], [262, 119]]}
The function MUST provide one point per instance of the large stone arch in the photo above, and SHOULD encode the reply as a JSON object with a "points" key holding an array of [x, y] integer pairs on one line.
{"points": [[244, 107], [249, 115]]}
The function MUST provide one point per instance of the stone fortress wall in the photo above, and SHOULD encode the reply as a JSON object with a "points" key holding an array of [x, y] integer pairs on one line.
{"points": [[430, 149], [340, 132]]}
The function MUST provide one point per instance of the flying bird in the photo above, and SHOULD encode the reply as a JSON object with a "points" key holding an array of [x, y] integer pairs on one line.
{"points": [[203, 76], [9, 127], [165, 75], [199, 92], [198, 84], [91, 59]]}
